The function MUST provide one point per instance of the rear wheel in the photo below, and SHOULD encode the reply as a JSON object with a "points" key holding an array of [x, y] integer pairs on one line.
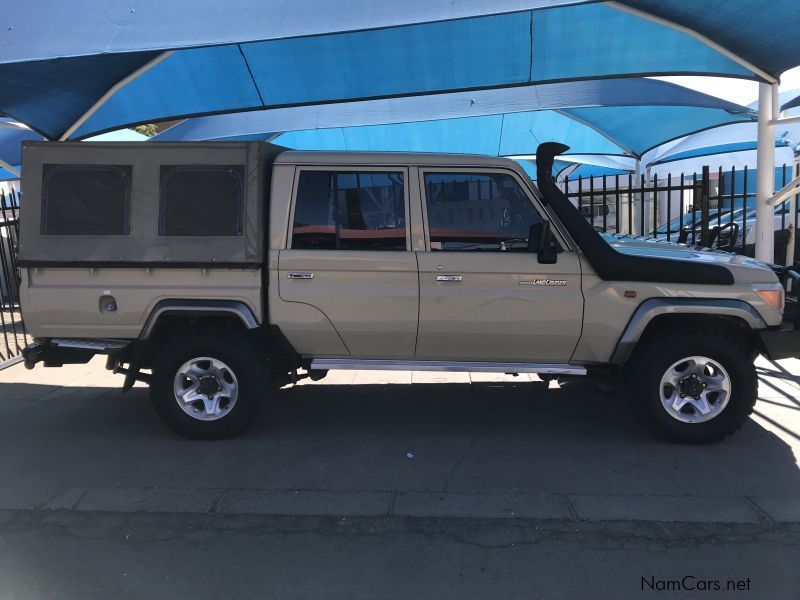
{"points": [[209, 383], [695, 386]]}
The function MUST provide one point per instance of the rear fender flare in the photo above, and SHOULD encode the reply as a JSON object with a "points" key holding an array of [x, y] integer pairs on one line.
{"points": [[199, 307]]}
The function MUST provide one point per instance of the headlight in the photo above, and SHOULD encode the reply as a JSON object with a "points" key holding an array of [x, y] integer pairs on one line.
{"points": [[771, 294]]}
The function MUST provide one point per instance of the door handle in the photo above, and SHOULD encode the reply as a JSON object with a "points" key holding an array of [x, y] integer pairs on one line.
{"points": [[449, 277], [300, 275]]}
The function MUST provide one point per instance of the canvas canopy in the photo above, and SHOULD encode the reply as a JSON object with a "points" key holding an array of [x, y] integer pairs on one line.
{"points": [[134, 61]]}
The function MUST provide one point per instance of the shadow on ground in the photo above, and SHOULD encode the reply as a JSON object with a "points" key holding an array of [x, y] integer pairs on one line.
{"points": [[478, 438]]}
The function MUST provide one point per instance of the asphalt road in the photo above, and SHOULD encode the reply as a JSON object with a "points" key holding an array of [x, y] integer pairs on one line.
{"points": [[406, 486]]}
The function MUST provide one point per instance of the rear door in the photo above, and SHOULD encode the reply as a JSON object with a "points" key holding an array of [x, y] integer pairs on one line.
{"points": [[483, 295], [349, 255]]}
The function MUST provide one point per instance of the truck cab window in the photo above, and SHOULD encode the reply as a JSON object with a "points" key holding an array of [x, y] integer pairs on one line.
{"points": [[338, 210], [478, 211]]}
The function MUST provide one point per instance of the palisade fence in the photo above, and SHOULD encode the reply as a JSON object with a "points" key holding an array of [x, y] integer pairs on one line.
{"points": [[13, 336], [712, 208]]}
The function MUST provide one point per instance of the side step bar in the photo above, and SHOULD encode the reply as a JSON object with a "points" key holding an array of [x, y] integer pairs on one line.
{"points": [[326, 364]]}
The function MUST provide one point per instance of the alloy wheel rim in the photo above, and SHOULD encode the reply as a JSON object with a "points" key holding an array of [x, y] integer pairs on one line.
{"points": [[205, 388], [695, 389]]}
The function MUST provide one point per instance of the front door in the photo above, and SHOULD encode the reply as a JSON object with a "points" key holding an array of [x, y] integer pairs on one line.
{"points": [[483, 295], [349, 256]]}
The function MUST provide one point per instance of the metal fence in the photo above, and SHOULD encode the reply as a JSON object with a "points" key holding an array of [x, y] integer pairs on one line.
{"points": [[711, 208], [13, 336]]}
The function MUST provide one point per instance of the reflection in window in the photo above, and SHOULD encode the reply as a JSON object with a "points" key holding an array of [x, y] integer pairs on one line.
{"points": [[349, 211], [470, 211]]}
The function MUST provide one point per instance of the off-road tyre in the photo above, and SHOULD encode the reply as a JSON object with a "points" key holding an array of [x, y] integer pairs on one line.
{"points": [[655, 354], [245, 360]]}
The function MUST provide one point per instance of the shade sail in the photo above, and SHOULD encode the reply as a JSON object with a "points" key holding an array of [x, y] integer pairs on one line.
{"points": [[793, 102], [246, 55], [12, 134], [723, 140], [578, 165], [592, 117]]}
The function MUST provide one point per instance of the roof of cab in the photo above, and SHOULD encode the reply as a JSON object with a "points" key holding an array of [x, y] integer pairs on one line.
{"points": [[295, 157]]}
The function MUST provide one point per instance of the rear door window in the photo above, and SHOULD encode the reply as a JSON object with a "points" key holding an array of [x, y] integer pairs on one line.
{"points": [[350, 210]]}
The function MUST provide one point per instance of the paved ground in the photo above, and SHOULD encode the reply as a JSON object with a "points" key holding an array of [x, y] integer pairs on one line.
{"points": [[411, 485]]}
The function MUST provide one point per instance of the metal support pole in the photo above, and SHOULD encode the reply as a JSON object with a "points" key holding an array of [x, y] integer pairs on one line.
{"points": [[790, 247], [765, 186]]}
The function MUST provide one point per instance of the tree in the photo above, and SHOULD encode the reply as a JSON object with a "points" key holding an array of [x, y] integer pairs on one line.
{"points": [[149, 130]]}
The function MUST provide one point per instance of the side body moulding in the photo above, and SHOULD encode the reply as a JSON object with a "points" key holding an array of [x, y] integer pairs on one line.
{"points": [[650, 309], [199, 307]]}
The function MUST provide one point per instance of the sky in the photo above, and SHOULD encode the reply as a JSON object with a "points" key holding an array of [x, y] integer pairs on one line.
{"points": [[740, 91]]}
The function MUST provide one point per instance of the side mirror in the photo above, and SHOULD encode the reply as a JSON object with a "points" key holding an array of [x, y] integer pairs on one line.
{"points": [[546, 248]]}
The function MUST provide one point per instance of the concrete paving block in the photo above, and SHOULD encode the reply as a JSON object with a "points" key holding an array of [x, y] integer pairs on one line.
{"points": [[694, 509], [439, 377], [149, 500], [24, 498], [312, 503], [382, 377], [481, 506], [66, 500], [782, 510]]}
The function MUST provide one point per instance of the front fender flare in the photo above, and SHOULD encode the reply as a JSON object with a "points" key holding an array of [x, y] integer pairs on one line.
{"points": [[654, 307]]}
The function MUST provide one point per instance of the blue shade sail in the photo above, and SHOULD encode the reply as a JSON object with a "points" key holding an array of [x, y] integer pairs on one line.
{"points": [[791, 104], [250, 55], [12, 135], [11, 138], [593, 41], [520, 133], [726, 146], [554, 96], [761, 32], [592, 117]]}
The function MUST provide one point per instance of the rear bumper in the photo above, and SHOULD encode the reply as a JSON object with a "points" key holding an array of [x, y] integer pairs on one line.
{"points": [[60, 352], [780, 343]]}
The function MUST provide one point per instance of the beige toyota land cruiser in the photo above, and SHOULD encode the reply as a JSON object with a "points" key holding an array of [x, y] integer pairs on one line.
{"points": [[219, 271]]}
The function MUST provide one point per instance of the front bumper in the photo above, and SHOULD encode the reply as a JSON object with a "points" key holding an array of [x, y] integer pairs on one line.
{"points": [[783, 342]]}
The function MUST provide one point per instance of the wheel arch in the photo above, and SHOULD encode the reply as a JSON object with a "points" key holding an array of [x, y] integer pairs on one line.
{"points": [[656, 313], [235, 309]]}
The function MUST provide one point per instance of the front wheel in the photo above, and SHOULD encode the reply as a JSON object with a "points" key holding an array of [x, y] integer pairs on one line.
{"points": [[695, 386], [208, 384]]}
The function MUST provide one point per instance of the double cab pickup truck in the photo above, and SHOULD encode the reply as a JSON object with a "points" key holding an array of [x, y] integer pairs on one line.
{"points": [[218, 272]]}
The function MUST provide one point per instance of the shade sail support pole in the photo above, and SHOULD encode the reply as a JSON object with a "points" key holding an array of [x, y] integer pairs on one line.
{"points": [[698, 36], [765, 184], [9, 168], [111, 91]]}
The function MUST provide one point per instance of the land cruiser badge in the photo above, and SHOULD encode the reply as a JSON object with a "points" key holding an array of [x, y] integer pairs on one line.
{"points": [[545, 282]]}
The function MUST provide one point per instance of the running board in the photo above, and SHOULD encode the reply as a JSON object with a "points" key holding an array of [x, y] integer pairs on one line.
{"points": [[326, 364]]}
